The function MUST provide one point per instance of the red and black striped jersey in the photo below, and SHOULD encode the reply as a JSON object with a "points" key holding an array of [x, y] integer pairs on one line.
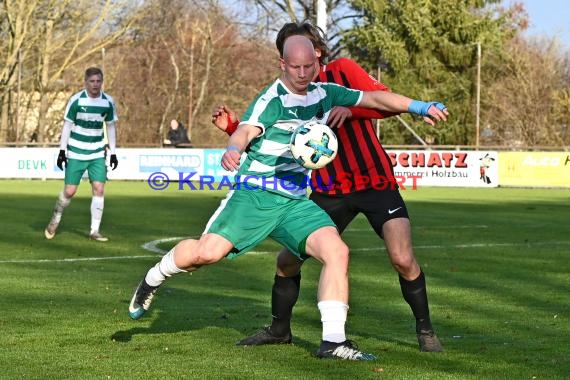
{"points": [[361, 161]]}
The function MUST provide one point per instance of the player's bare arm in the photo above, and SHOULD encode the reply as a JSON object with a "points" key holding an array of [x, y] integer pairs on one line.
{"points": [[392, 102], [237, 144]]}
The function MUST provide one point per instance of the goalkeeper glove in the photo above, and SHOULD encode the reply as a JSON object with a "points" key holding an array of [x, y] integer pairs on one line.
{"points": [[113, 161], [61, 159]]}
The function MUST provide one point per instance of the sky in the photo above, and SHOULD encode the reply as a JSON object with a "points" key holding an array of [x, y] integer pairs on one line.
{"points": [[548, 17]]}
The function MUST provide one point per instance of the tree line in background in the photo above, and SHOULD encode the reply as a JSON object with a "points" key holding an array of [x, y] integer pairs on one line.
{"points": [[178, 59]]}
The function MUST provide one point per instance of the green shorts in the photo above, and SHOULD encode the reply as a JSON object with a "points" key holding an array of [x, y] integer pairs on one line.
{"points": [[247, 217], [96, 169]]}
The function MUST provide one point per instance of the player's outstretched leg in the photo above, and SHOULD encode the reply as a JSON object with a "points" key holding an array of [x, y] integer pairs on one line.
{"points": [[147, 288]]}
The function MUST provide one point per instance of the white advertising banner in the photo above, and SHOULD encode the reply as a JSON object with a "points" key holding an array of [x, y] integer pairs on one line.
{"points": [[141, 164], [169, 162], [412, 167], [459, 168], [29, 163]]}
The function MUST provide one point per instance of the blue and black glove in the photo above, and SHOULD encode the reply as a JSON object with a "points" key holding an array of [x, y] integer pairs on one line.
{"points": [[113, 161], [61, 159], [421, 108]]}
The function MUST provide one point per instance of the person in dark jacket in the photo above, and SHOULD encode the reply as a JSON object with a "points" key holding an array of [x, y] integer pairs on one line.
{"points": [[177, 134]]}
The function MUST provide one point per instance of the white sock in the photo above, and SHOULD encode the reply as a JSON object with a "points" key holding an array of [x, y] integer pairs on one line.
{"points": [[97, 204], [164, 268], [333, 316], [61, 203]]}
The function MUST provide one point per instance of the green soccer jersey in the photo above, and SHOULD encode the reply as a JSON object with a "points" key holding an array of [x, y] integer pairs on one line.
{"points": [[88, 115], [278, 112]]}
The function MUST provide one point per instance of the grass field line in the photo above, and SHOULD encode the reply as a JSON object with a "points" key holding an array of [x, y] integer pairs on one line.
{"points": [[152, 246], [74, 259], [467, 226], [446, 246]]}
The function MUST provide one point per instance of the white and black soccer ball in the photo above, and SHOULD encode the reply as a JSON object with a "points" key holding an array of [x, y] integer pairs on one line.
{"points": [[313, 145]]}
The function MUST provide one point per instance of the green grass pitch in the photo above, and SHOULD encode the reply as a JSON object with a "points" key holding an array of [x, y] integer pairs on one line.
{"points": [[496, 262]]}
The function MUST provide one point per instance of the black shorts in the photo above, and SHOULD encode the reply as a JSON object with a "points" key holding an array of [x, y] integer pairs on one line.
{"points": [[379, 206]]}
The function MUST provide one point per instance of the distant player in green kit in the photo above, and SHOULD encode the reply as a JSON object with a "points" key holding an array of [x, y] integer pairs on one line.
{"points": [[82, 147]]}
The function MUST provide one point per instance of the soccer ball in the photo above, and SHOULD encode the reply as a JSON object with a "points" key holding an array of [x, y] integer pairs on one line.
{"points": [[313, 145]]}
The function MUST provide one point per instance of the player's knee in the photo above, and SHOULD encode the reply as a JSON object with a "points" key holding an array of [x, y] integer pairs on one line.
{"points": [[200, 254], [204, 257], [69, 193], [288, 265], [404, 263], [335, 254]]}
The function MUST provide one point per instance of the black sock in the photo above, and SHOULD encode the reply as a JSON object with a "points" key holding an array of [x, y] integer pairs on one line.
{"points": [[283, 297], [415, 294]]}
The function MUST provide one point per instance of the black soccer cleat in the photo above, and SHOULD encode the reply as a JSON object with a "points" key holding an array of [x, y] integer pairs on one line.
{"points": [[429, 342], [141, 300], [265, 337], [347, 350]]}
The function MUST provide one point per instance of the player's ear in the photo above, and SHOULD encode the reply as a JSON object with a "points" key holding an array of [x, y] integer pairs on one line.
{"points": [[282, 64]]}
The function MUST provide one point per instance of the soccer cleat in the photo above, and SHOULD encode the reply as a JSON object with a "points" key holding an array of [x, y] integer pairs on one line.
{"points": [[429, 342], [141, 299], [346, 350], [97, 236], [51, 228], [265, 337]]}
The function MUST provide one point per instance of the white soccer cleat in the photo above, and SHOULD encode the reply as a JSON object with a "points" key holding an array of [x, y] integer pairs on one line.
{"points": [[50, 230], [98, 237]]}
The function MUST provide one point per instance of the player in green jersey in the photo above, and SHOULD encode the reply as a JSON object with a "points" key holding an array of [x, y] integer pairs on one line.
{"points": [[82, 148]]}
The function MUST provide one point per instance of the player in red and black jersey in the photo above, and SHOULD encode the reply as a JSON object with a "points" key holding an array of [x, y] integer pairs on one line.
{"points": [[359, 180], [362, 161]]}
